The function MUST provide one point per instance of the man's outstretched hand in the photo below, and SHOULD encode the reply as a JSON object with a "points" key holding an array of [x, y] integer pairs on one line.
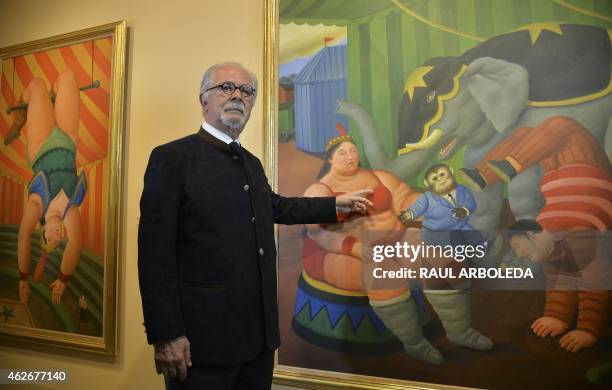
{"points": [[173, 357], [356, 201]]}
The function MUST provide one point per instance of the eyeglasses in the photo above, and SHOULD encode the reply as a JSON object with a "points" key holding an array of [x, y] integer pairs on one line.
{"points": [[228, 88]]}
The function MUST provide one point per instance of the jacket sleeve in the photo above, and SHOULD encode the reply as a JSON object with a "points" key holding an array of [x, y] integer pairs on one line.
{"points": [[290, 211], [420, 206], [157, 238]]}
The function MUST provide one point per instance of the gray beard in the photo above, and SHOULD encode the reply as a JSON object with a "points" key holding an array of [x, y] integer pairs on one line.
{"points": [[234, 126], [233, 123]]}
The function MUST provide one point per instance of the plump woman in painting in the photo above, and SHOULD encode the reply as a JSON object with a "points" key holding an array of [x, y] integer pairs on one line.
{"points": [[333, 260], [335, 263], [55, 191]]}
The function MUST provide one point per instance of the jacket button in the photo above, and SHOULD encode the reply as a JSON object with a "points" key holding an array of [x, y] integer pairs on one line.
{"points": [[252, 219], [236, 157], [246, 187], [261, 251]]}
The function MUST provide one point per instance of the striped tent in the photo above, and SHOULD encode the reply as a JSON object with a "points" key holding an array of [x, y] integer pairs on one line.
{"points": [[318, 87], [90, 60]]}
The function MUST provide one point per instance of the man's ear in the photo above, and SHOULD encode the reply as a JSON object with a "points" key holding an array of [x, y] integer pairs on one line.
{"points": [[452, 171], [203, 102]]}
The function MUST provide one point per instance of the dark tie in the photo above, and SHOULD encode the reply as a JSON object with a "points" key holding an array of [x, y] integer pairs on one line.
{"points": [[450, 195], [235, 148]]}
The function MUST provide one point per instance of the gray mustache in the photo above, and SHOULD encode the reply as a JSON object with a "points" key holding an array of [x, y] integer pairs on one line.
{"points": [[234, 106]]}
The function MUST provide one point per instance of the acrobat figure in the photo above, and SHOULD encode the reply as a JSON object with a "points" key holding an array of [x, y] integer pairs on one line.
{"points": [[578, 272], [56, 191], [446, 208], [577, 190]]}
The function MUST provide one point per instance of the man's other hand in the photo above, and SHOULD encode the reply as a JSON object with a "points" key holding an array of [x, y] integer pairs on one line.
{"points": [[173, 357], [354, 201]]}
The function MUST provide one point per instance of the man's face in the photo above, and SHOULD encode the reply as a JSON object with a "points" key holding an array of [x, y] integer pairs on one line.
{"points": [[228, 112], [533, 246]]}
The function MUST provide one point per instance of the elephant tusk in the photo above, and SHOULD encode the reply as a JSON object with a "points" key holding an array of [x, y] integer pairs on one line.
{"points": [[426, 143]]}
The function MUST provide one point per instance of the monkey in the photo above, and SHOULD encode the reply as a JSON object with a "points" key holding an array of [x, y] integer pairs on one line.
{"points": [[446, 206]]}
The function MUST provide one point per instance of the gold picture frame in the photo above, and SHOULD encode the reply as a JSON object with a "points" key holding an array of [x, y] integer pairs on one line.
{"points": [[85, 319]]}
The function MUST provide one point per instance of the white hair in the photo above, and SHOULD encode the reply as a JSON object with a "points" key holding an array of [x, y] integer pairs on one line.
{"points": [[208, 75]]}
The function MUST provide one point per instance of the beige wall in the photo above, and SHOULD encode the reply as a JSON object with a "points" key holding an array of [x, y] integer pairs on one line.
{"points": [[170, 44]]}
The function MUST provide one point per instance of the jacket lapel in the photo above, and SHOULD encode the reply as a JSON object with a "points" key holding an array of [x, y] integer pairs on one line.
{"points": [[441, 200]]}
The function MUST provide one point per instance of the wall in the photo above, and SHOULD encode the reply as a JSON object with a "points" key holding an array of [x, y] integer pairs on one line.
{"points": [[170, 44]]}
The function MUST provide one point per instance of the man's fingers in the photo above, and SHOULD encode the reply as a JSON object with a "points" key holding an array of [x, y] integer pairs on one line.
{"points": [[171, 370], [182, 369], [361, 199], [165, 371], [188, 355]]}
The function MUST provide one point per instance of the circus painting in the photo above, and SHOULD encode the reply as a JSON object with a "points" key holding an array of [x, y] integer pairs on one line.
{"points": [[500, 100], [60, 129]]}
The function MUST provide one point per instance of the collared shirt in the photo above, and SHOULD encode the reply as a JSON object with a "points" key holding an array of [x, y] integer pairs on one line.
{"points": [[218, 134]]}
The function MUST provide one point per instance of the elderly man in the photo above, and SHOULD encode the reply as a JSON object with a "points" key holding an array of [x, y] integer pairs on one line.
{"points": [[206, 251]]}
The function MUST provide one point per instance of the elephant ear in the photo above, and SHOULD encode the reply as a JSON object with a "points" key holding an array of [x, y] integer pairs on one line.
{"points": [[500, 88]]}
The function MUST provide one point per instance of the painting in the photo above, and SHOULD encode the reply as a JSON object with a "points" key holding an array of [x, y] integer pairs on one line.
{"points": [[61, 130], [375, 94]]}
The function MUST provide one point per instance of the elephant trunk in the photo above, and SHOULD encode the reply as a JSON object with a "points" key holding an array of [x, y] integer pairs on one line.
{"points": [[405, 167]]}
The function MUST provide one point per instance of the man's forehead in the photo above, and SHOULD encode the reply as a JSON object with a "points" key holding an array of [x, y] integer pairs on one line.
{"points": [[232, 73]]}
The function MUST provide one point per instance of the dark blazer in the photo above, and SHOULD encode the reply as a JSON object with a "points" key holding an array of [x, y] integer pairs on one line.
{"points": [[206, 249]]}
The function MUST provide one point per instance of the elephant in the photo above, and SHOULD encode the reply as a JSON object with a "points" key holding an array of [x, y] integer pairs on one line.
{"points": [[478, 99]]}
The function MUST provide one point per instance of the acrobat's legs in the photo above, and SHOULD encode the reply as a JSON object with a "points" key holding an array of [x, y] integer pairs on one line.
{"points": [[40, 116], [67, 103]]}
